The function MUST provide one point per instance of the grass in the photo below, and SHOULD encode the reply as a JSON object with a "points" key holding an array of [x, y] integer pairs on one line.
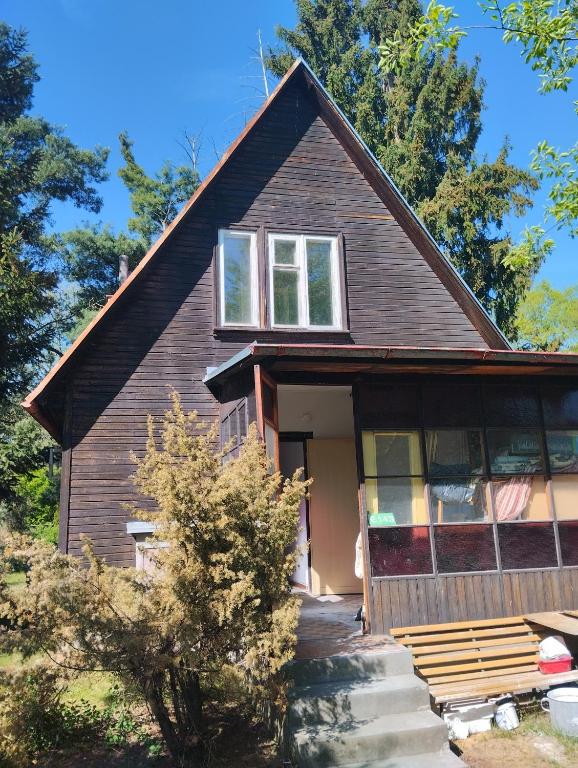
{"points": [[535, 744]]}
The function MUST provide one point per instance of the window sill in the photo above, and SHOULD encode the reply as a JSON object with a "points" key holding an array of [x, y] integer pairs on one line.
{"points": [[220, 329]]}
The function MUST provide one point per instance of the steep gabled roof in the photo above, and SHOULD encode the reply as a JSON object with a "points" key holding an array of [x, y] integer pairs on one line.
{"points": [[375, 175]]}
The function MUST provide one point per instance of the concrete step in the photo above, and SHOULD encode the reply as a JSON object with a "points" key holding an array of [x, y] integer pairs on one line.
{"points": [[342, 702], [443, 759], [396, 660], [365, 742]]}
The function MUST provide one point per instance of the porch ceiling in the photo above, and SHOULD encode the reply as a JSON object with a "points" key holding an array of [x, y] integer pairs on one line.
{"points": [[353, 359]]}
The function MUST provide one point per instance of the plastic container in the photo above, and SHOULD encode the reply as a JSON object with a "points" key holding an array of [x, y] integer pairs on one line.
{"points": [[507, 714], [562, 704], [552, 666]]}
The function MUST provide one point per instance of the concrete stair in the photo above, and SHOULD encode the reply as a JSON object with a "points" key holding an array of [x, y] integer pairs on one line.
{"points": [[365, 710]]}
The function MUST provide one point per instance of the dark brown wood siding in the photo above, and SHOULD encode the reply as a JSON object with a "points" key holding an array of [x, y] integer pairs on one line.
{"points": [[291, 174]]}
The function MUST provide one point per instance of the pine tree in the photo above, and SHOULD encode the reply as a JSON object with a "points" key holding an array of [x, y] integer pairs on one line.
{"points": [[423, 125]]}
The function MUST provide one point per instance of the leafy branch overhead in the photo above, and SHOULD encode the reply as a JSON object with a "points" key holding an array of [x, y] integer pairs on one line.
{"points": [[547, 33]]}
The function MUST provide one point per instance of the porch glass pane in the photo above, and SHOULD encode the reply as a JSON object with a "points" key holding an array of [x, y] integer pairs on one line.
{"points": [[237, 279], [400, 551], [396, 501], [514, 451], [569, 543], [522, 497], [286, 296], [511, 407], [565, 491], [560, 406], [452, 406], [459, 500], [463, 548], [285, 251], [387, 454], [562, 451], [319, 283], [454, 452], [527, 546]]}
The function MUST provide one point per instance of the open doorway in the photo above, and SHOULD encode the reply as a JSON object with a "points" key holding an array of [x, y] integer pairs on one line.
{"points": [[316, 432]]}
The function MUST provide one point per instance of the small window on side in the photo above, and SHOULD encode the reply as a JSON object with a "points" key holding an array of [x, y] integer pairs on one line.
{"points": [[238, 279]]}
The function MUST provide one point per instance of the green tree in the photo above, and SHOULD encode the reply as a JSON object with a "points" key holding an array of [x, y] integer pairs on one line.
{"points": [[90, 254], [38, 165], [423, 124], [155, 200], [547, 319], [90, 257], [547, 34], [215, 610]]}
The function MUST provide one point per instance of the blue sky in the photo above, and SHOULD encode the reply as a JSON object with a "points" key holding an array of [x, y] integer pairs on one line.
{"points": [[157, 68]]}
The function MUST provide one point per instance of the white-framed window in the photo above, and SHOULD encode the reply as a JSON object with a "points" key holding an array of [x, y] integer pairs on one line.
{"points": [[238, 278], [304, 282]]}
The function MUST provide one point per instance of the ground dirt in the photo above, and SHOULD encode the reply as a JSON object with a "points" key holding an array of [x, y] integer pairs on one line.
{"points": [[534, 744]]}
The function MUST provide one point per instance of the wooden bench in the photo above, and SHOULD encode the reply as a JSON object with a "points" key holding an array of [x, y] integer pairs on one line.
{"points": [[469, 659]]}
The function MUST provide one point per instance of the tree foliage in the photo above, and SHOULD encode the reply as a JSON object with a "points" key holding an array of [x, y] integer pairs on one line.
{"points": [[547, 33], [38, 166], [216, 603], [155, 200], [547, 319], [423, 123]]}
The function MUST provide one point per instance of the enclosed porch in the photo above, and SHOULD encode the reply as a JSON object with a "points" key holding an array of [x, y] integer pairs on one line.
{"points": [[458, 467]]}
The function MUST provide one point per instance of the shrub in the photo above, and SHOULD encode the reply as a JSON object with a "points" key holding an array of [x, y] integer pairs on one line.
{"points": [[34, 718], [217, 601]]}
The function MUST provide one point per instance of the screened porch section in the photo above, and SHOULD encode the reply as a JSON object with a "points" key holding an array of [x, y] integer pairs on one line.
{"points": [[473, 478]]}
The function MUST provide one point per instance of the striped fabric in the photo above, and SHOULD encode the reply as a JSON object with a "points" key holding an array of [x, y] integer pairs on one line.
{"points": [[511, 497]]}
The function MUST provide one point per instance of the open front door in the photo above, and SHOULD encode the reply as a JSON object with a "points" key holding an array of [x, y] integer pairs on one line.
{"points": [[267, 413]]}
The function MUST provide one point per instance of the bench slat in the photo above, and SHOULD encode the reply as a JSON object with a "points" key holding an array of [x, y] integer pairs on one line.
{"points": [[447, 637], [466, 677], [489, 664], [486, 653], [458, 625], [515, 683], [473, 644]]}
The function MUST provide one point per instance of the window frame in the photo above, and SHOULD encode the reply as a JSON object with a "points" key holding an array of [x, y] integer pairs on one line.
{"points": [[300, 267], [254, 281]]}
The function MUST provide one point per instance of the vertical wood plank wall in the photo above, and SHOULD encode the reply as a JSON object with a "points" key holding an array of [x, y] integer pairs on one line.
{"points": [[408, 601]]}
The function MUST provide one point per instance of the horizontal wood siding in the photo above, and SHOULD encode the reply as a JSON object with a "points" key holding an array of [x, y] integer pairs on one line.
{"points": [[292, 174], [419, 600]]}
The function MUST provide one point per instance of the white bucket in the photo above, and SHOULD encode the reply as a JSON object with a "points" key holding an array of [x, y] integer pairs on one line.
{"points": [[562, 703], [507, 716]]}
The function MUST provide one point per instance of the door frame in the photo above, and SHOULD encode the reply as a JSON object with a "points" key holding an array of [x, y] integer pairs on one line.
{"points": [[302, 437]]}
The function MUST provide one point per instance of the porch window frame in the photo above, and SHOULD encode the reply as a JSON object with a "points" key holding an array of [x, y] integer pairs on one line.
{"points": [[300, 267], [487, 477], [254, 277]]}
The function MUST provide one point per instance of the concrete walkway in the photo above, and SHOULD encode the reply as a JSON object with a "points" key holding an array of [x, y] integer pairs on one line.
{"points": [[327, 628]]}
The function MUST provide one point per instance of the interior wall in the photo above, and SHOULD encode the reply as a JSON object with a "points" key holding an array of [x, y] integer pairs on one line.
{"points": [[324, 411]]}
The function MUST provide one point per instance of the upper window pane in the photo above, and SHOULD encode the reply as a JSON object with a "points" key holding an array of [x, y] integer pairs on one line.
{"points": [[453, 452], [562, 451], [319, 282], [237, 278], [511, 407], [285, 252], [391, 454], [514, 451], [386, 406]]}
